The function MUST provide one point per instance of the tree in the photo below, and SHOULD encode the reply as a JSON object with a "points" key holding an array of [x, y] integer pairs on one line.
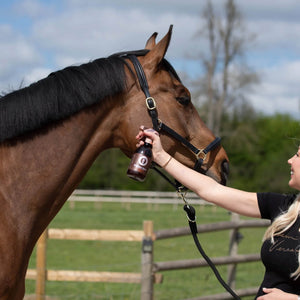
{"points": [[259, 149], [227, 76]]}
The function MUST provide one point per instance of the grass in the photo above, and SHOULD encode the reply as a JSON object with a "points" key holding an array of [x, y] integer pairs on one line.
{"points": [[126, 256]]}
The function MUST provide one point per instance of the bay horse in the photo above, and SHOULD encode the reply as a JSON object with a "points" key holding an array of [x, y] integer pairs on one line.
{"points": [[53, 130]]}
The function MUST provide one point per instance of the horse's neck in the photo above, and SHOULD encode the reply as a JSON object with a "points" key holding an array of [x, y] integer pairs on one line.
{"points": [[39, 174]]}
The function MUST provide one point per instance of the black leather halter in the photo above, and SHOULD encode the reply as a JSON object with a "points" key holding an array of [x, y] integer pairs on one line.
{"points": [[158, 125]]}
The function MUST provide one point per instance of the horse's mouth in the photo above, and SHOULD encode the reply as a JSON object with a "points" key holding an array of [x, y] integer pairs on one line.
{"points": [[221, 177]]}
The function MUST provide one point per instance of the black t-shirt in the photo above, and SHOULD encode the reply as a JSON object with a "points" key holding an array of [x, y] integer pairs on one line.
{"points": [[281, 257]]}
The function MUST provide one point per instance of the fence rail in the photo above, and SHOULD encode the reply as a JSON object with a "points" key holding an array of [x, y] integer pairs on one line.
{"points": [[89, 276], [96, 235], [151, 197], [205, 228]]}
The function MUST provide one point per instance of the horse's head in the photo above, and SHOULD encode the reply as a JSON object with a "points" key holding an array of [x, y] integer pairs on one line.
{"points": [[173, 107]]}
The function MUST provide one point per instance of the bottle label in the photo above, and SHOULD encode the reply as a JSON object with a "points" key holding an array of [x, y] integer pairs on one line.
{"points": [[140, 163], [143, 161]]}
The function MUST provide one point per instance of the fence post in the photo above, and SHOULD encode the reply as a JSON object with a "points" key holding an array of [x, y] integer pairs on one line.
{"points": [[147, 262], [233, 250], [41, 271]]}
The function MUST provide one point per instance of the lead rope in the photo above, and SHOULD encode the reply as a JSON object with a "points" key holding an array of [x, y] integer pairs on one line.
{"points": [[191, 216]]}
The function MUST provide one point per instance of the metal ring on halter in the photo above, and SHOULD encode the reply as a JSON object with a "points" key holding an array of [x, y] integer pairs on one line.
{"points": [[201, 152], [159, 122]]}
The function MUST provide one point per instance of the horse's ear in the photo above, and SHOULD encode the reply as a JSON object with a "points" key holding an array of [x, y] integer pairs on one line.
{"points": [[151, 41], [157, 53]]}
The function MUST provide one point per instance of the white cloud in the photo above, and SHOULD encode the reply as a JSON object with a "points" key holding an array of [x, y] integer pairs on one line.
{"points": [[275, 104], [287, 10], [33, 8], [285, 78], [15, 48], [282, 35], [96, 31], [36, 74], [280, 89], [18, 55]]}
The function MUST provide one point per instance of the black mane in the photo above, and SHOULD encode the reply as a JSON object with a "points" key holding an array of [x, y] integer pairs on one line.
{"points": [[60, 95], [64, 93]]}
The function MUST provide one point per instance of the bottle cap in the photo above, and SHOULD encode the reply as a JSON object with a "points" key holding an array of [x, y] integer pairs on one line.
{"points": [[148, 140]]}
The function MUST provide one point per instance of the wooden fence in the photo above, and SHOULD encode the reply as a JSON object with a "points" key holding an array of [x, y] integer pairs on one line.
{"points": [[146, 278], [149, 269]]}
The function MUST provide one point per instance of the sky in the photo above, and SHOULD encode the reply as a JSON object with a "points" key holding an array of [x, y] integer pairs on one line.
{"points": [[41, 36]]}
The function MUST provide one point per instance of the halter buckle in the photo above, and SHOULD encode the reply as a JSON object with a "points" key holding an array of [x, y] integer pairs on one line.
{"points": [[151, 104]]}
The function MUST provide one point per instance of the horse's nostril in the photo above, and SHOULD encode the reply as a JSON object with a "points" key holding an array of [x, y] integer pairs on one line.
{"points": [[225, 167]]}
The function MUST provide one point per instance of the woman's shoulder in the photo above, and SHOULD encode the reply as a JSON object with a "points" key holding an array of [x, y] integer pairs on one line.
{"points": [[273, 204]]}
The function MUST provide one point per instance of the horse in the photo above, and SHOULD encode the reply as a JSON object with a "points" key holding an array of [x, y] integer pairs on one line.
{"points": [[52, 131]]}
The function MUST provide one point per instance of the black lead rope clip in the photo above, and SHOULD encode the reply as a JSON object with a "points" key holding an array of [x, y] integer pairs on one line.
{"points": [[191, 216], [190, 212]]}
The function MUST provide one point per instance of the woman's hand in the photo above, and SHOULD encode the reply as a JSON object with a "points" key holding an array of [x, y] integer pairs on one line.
{"points": [[160, 156], [276, 294]]}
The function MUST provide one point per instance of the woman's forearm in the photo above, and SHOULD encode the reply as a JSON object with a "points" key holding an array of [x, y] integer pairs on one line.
{"points": [[238, 201], [193, 180], [209, 190]]}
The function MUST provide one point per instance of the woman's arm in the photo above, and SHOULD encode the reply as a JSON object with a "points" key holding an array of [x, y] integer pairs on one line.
{"points": [[238, 201]]}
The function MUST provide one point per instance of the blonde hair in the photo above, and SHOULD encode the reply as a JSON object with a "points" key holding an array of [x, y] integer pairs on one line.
{"points": [[282, 223]]}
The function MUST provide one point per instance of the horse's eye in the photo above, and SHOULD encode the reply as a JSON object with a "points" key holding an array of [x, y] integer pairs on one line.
{"points": [[184, 100]]}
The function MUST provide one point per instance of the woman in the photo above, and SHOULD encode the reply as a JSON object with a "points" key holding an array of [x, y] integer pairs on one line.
{"points": [[280, 249]]}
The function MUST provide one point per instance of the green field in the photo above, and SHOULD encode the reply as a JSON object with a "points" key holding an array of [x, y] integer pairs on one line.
{"points": [[126, 256]]}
